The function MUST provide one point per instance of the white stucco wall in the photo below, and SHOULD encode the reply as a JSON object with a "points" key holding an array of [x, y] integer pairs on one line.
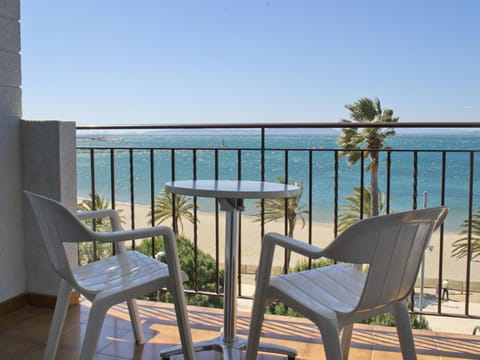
{"points": [[49, 169], [12, 258]]}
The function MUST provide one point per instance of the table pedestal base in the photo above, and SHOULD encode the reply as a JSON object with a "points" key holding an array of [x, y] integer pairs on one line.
{"points": [[231, 349]]}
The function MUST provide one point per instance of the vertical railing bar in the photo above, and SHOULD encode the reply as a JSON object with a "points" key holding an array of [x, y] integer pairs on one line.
{"points": [[310, 200], [92, 179], [262, 178], [112, 177], [362, 184], [262, 155], [239, 162], [239, 177], [286, 253], [195, 233], [93, 196], [414, 207], [285, 227], [335, 194], [440, 251], [174, 200], [415, 180], [442, 196], [469, 236], [152, 196], [389, 169], [132, 194], [172, 164], [217, 230], [112, 186]]}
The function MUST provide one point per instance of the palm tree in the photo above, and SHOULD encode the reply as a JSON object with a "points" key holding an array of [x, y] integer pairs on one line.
{"points": [[164, 209], [274, 209], [351, 212], [351, 140], [460, 246]]}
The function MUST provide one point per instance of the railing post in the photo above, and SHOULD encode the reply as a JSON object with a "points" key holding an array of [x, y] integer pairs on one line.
{"points": [[422, 271]]}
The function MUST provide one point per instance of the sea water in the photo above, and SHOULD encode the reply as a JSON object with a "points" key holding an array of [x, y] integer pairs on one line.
{"points": [[217, 156]]}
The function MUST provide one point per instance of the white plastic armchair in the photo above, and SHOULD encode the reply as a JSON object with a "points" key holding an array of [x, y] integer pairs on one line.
{"points": [[336, 296], [110, 281]]}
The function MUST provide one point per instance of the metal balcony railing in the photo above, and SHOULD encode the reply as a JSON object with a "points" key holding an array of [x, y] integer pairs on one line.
{"points": [[129, 165]]}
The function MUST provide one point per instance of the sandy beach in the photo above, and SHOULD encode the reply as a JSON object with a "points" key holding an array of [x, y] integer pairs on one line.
{"points": [[322, 235]]}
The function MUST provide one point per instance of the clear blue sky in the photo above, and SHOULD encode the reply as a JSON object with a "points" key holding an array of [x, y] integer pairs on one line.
{"points": [[159, 61]]}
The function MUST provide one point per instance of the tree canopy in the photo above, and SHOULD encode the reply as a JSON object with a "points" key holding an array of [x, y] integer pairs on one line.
{"points": [[460, 246], [367, 140], [169, 206]]}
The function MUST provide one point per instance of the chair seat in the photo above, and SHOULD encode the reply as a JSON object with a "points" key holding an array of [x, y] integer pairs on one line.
{"points": [[328, 290], [122, 272]]}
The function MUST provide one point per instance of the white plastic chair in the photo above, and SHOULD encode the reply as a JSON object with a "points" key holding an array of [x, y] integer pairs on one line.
{"points": [[336, 296], [110, 281]]}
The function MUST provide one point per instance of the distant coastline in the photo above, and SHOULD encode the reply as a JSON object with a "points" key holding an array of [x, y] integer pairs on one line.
{"points": [[94, 133]]}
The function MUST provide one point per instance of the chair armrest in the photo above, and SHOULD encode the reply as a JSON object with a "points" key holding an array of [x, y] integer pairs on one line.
{"points": [[269, 242], [273, 239], [98, 214], [124, 235], [169, 240]]}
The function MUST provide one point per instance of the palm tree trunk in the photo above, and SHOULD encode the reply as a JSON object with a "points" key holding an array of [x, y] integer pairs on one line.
{"points": [[292, 219], [291, 224], [374, 184]]}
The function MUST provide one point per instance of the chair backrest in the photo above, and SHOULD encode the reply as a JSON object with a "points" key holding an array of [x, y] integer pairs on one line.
{"points": [[393, 247], [57, 225]]}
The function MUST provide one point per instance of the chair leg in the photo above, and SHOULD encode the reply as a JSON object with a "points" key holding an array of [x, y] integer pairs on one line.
{"points": [[183, 323], [331, 340], [92, 332], [346, 340], [256, 322], [60, 312], [404, 330], [135, 319]]}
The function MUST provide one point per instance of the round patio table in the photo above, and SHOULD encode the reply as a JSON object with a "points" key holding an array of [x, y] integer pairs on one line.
{"points": [[230, 194]]}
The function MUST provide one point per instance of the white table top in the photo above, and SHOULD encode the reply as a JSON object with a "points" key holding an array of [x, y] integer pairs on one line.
{"points": [[232, 189]]}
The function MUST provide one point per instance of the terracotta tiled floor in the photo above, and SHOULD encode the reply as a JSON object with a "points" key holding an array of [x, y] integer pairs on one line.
{"points": [[23, 335]]}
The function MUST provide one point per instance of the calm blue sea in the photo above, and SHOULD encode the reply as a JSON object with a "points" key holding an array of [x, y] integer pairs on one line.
{"points": [[429, 166]]}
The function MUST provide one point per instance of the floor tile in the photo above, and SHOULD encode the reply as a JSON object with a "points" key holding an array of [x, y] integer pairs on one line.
{"points": [[23, 335]]}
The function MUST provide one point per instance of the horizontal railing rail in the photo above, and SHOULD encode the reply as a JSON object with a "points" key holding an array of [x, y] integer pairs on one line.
{"points": [[132, 173], [299, 125]]}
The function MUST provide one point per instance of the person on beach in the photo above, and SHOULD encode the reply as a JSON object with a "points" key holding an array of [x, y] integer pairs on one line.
{"points": [[445, 290]]}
